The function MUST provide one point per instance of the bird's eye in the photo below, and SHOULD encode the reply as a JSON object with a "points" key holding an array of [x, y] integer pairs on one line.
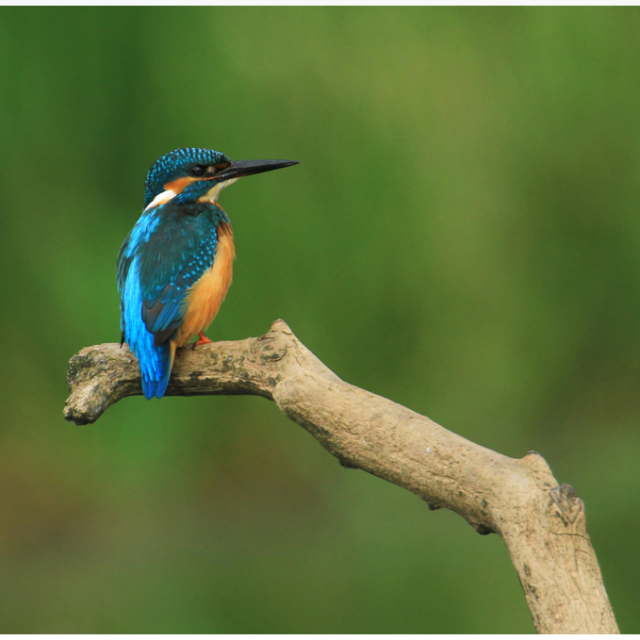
{"points": [[197, 170]]}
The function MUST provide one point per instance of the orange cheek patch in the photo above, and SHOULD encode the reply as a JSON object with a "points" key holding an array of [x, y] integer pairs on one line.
{"points": [[205, 296], [179, 185]]}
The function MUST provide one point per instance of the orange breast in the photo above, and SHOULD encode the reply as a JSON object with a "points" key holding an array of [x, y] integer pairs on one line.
{"points": [[205, 296]]}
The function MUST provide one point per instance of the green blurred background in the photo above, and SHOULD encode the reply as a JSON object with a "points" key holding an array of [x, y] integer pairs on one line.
{"points": [[462, 236]]}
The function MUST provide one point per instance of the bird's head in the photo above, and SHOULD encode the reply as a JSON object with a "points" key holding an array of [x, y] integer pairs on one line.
{"points": [[192, 175]]}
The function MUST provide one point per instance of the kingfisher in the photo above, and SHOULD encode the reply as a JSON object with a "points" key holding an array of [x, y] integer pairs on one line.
{"points": [[175, 266]]}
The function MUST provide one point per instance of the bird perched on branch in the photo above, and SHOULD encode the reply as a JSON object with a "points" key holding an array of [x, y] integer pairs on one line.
{"points": [[175, 266]]}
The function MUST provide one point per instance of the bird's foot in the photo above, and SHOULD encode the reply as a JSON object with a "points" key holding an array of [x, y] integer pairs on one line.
{"points": [[203, 339]]}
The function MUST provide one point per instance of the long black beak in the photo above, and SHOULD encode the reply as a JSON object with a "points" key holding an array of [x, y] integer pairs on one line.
{"points": [[250, 167]]}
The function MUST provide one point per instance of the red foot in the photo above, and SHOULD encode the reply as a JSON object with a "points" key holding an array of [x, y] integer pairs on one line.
{"points": [[203, 339]]}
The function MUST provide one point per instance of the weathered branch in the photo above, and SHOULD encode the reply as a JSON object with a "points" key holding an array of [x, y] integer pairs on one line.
{"points": [[542, 524]]}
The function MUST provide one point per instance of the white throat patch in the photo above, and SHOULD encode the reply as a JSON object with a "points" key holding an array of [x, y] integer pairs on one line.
{"points": [[212, 194]]}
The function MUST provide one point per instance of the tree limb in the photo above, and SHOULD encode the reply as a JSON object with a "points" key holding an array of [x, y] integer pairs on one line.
{"points": [[542, 524]]}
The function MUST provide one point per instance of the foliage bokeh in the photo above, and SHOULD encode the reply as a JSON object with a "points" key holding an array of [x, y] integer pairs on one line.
{"points": [[462, 236]]}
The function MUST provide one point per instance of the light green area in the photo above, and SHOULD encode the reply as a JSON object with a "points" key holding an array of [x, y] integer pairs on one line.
{"points": [[462, 236]]}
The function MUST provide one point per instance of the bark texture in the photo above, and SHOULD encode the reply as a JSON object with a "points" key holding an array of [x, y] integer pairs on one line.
{"points": [[542, 524]]}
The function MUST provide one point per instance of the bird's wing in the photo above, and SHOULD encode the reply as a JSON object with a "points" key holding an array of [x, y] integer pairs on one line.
{"points": [[171, 252]]}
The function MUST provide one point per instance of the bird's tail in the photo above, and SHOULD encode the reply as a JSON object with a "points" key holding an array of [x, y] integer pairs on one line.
{"points": [[155, 361], [156, 368]]}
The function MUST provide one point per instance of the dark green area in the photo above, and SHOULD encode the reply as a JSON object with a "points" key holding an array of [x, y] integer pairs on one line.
{"points": [[462, 236]]}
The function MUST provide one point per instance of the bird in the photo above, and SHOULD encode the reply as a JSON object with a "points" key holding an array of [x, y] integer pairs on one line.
{"points": [[175, 266]]}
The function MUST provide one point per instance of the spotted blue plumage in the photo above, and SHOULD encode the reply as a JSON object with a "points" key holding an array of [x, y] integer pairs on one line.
{"points": [[168, 250]]}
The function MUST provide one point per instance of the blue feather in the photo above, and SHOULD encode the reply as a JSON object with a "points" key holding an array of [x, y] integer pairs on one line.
{"points": [[155, 361]]}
